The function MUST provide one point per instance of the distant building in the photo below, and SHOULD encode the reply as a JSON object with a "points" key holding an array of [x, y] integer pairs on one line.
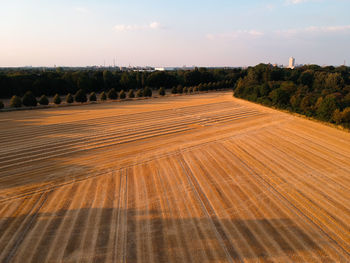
{"points": [[165, 69], [291, 64]]}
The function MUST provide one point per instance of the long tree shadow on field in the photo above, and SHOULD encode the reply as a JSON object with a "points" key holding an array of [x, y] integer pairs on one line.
{"points": [[111, 234]]}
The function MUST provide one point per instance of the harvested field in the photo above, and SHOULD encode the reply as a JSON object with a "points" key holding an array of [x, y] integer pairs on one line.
{"points": [[201, 178]]}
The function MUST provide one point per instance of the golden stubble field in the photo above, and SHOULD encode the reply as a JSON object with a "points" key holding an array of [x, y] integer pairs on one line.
{"points": [[201, 178]]}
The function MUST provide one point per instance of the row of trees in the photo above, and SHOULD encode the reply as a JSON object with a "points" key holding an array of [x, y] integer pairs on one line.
{"points": [[29, 99], [64, 81], [225, 84], [323, 93]]}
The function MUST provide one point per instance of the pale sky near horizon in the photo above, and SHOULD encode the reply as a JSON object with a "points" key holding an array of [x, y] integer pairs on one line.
{"points": [[173, 33]]}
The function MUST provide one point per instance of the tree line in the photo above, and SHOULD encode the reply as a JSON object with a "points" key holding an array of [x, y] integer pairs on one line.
{"points": [[30, 100], [314, 91], [63, 81]]}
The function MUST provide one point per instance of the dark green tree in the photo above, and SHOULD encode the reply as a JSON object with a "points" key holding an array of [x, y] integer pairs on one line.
{"points": [[80, 96], [57, 99], [337, 116], [29, 99], [92, 96], [122, 94], [69, 98], [43, 100], [174, 90], [139, 93], [326, 108], [161, 91], [131, 94], [103, 96], [147, 92], [180, 89], [279, 97], [15, 102], [346, 115], [112, 94]]}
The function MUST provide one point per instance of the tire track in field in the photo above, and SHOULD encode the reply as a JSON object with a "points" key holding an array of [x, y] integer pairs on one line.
{"points": [[88, 241], [24, 228], [190, 213], [228, 229], [312, 183], [166, 210], [28, 246], [104, 232], [253, 230], [271, 246], [14, 221], [323, 216], [274, 186], [63, 227], [209, 211], [306, 240], [275, 209], [49, 231], [174, 209]]}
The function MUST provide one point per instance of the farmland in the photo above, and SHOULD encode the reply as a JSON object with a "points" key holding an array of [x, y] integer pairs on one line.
{"points": [[200, 178]]}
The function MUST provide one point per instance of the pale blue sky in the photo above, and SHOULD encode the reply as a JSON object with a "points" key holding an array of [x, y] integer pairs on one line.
{"points": [[173, 33]]}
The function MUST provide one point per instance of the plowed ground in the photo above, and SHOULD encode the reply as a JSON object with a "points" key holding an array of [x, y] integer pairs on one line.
{"points": [[201, 178]]}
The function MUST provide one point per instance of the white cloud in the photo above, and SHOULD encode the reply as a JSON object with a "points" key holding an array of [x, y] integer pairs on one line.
{"points": [[327, 29], [82, 10], [320, 30], [295, 2], [124, 28], [154, 25], [236, 34]]}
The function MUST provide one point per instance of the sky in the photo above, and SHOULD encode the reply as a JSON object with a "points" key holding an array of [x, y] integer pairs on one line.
{"points": [[209, 33]]}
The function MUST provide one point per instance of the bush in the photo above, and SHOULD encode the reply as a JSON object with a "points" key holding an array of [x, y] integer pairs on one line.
{"points": [[15, 102], [184, 90], [161, 91], [92, 96], [112, 94], [29, 99], [174, 90], [122, 94], [195, 89], [43, 100], [346, 115], [1, 105], [180, 89], [80, 96], [103, 96], [279, 97], [326, 108], [69, 98], [131, 94], [189, 90], [57, 99], [139, 93], [147, 92], [337, 116]]}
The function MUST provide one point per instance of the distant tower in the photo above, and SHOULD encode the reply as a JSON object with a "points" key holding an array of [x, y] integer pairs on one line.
{"points": [[291, 63]]}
